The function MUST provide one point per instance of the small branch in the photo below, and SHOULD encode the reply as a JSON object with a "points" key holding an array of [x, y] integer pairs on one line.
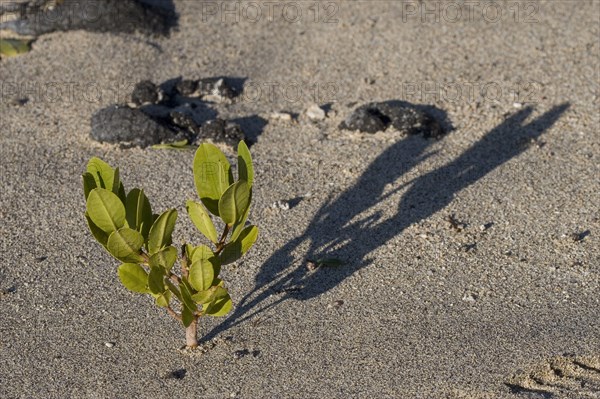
{"points": [[145, 256], [184, 262], [175, 278], [221, 243], [174, 314]]}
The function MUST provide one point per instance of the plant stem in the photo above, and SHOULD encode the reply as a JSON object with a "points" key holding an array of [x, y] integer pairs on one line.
{"points": [[221, 243], [191, 341], [175, 315]]}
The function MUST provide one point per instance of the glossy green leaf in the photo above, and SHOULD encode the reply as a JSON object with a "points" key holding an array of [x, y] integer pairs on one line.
{"points": [[176, 145], [13, 47], [245, 167], [116, 186], [205, 296], [133, 277], [212, 176], [125, 244], [186, 296], [203, 253], [202, 220], [202, 270], [235, 249], [97, 232], [161, 231], [234, 202], [163, 299], [156, 280], [103, 173], [220, 305], [89, 183], [165, 258], [187, 317], [241, 223], [173, 288], [106, 210], [138, 212]]}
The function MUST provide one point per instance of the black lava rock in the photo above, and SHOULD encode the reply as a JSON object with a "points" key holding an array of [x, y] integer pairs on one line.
{"points": [[221, 130], [217, 88], [185, 122], [36, 17], [376, 117], [187, 87], [145, 92], [165, 114], [410, 120], [129, 127], [366, 118]]}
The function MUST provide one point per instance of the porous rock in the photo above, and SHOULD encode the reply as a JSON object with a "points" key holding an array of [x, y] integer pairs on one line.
{"points": [[128, 126], [376, 117]]}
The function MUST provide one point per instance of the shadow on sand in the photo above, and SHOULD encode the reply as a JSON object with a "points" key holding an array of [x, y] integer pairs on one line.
{"points": [[338, 230]]}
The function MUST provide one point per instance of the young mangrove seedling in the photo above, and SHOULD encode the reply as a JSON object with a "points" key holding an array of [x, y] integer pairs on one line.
{"points": [[124, 224]]}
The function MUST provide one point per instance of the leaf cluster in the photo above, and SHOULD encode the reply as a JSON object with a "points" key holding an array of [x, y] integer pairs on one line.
{"points": [[125, 225]]}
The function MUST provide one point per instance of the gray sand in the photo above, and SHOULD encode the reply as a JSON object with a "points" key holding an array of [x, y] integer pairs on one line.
{"points": [[428, 311]]}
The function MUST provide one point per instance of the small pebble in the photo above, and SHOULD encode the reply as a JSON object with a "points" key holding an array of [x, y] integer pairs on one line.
{"points": [[315, 113], [335, 304], [281, 204], [281, 116], [517, 105], [109, 344], [469, 297]]}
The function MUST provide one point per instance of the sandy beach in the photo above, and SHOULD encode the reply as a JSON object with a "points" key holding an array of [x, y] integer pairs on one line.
{"points": [[471, 262]]}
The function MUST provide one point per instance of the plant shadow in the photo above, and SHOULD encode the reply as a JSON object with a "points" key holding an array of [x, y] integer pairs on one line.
{"points": [[340, 230]]}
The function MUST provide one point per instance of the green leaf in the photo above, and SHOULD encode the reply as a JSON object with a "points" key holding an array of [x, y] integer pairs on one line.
{"points": [[235, 249], [138, 212], [156, 280], [186, 296], [116, 186], [240, 224], [106, 210], [329, 262], [165, 258], [205, 296], [161, 231], [234, 202], [12, 47], [97, 232], [212, 175], [176, 145], [163, 299], [125, 244], [202, 270], [245, 167], [220, 305], [173, 288], [203, 253], [202, 220], [133, 277], [103, 173], [89, 183], [187, 317]]}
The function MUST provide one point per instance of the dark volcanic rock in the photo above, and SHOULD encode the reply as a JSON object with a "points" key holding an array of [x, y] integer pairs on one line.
{"points": [[128, 126], [145, 92], [166, 114], [36, 17], [366, 118], [221, 130], [216, 89], [376, 117], [410, 120], [187, 87]]}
